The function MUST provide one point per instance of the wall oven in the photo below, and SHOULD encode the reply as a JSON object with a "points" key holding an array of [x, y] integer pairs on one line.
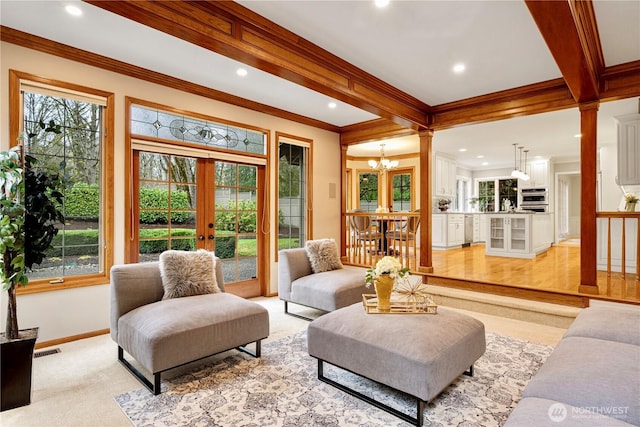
{"points": [[534, 199]]}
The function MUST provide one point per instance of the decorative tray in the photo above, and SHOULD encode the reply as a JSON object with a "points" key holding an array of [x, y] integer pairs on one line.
{"points": [[400, 305]]}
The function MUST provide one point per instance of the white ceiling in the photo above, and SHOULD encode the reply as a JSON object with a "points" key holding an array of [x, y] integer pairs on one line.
{"points": [[410, 44]]}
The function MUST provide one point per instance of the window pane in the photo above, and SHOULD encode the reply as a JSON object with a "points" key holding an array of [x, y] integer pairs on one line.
{"points": [[486, 195], [401, 190], [146, 121], [508, 190], [368, 185], [292, 191], [73, 156]]}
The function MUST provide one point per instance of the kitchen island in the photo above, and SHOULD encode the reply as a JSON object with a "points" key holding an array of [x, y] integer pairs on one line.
{"points": [[518, 234]]}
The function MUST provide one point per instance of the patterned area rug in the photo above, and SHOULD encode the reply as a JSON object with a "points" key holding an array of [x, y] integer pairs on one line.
{"points": [[282, 389]]}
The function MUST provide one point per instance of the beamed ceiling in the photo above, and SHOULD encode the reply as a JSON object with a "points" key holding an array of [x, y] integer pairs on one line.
{"points": [[388, 70]]}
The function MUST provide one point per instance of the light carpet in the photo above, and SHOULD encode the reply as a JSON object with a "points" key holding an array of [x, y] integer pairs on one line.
{"points": [[282, 389]]}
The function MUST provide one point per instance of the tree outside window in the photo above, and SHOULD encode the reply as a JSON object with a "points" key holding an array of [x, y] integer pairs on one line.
{"points": [[75, 155]]}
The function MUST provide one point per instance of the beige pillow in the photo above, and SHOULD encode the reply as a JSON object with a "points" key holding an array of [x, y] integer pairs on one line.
{"points": [[323, 255], [186, 273]]}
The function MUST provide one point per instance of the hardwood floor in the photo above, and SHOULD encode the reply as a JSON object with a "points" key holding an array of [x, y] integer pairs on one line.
{"points": [[551, 277]]}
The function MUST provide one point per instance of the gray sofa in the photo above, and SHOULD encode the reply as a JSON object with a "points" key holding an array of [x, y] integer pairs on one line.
{"points": [[326, 291], [163, 334], [592, 377]]}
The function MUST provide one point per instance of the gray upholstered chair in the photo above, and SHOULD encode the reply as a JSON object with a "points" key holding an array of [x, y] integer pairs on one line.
{"points": [[163, 334], [326, 291]]}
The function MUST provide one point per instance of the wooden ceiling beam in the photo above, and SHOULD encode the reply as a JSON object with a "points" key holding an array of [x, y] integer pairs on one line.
{"points": [[236, 32], [50, 47], [373, 130], [571, 35]]}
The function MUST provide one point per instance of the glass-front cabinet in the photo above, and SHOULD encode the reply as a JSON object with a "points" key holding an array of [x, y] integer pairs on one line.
{"points": [[508, 233]]}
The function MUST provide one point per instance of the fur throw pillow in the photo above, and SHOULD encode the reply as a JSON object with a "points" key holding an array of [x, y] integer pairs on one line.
{"points": [[323, 255], [186, 273]]}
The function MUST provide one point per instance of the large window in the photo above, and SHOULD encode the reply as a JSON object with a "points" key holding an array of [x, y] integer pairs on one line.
{"points": [[79, 155], [493, 192], [293, 177]]}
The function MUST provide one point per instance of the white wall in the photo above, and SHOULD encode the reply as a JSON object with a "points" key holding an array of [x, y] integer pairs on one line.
{"points": [[71, 312], [610, 192]]}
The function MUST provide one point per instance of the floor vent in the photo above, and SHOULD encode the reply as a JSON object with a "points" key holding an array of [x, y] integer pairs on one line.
{"points": [[46, 352]]}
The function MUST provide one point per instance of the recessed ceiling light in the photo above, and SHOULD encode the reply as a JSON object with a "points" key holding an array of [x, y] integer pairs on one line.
{"points": [[332, 105], [381, 3], [462, 150], [538, 157], [459, 68], [73, 10], [241, 72], [480, 156], [485, 163]]}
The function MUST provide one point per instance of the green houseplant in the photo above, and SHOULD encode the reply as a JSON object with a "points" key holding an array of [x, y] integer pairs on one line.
{"points": [[29, 211]]}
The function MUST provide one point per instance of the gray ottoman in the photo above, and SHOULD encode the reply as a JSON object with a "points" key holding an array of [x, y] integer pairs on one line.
{"points": [[418, 354]]}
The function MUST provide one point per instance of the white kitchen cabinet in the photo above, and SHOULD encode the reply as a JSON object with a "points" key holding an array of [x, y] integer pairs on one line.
{"points": [[455, 228], [483, 227], [538, 171], [445, 174], [518, 235], [476, 228], [439, 230], [629, 149], [447, 230]]}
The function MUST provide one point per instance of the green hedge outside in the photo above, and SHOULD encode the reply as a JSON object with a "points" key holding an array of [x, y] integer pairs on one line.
{"points": [[82, 201], [158, 199], [77, 242]]}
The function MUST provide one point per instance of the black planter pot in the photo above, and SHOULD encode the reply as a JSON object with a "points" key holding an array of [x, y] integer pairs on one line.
{"points": [[17, 359]]}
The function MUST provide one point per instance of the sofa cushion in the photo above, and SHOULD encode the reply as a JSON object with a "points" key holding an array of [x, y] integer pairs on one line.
{"points": [[539, 412], [330, 290], [188, 273], [608, 323], [591, 373], [169, 333], [323, 255]]}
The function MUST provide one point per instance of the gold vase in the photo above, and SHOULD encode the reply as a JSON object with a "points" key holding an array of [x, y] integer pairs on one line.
{"points": [[384, 287], [630, 207]]}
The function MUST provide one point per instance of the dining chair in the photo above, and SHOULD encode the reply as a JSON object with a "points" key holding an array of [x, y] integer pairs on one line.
{"points": [[365, 234], [402, 233]]}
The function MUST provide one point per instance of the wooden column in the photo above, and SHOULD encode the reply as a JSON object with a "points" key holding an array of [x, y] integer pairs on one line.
{"points": [[343, 200], [588, 171], [426, 182]]}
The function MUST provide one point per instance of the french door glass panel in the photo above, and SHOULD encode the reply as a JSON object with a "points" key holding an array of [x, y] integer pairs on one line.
{"points": [[189, 203], [167, 204], [236, 224]]}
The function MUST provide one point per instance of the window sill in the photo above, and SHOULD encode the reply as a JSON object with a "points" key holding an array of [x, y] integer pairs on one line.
{"points": [[38, 286]]}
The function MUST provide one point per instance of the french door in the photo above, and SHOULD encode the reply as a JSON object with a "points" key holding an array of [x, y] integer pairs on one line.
{"points": [[190, 203]]}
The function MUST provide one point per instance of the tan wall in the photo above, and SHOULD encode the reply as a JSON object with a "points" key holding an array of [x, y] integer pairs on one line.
{"points": [[86, 309]]}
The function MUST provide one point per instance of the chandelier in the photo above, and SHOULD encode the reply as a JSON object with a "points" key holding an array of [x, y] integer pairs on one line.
{"points": [[383, 164], [517, 172]]}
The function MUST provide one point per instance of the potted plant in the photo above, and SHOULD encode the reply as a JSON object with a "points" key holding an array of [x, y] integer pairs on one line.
{"points": [[29, 210], [631, 200], [383, 277], [443, 204]]}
